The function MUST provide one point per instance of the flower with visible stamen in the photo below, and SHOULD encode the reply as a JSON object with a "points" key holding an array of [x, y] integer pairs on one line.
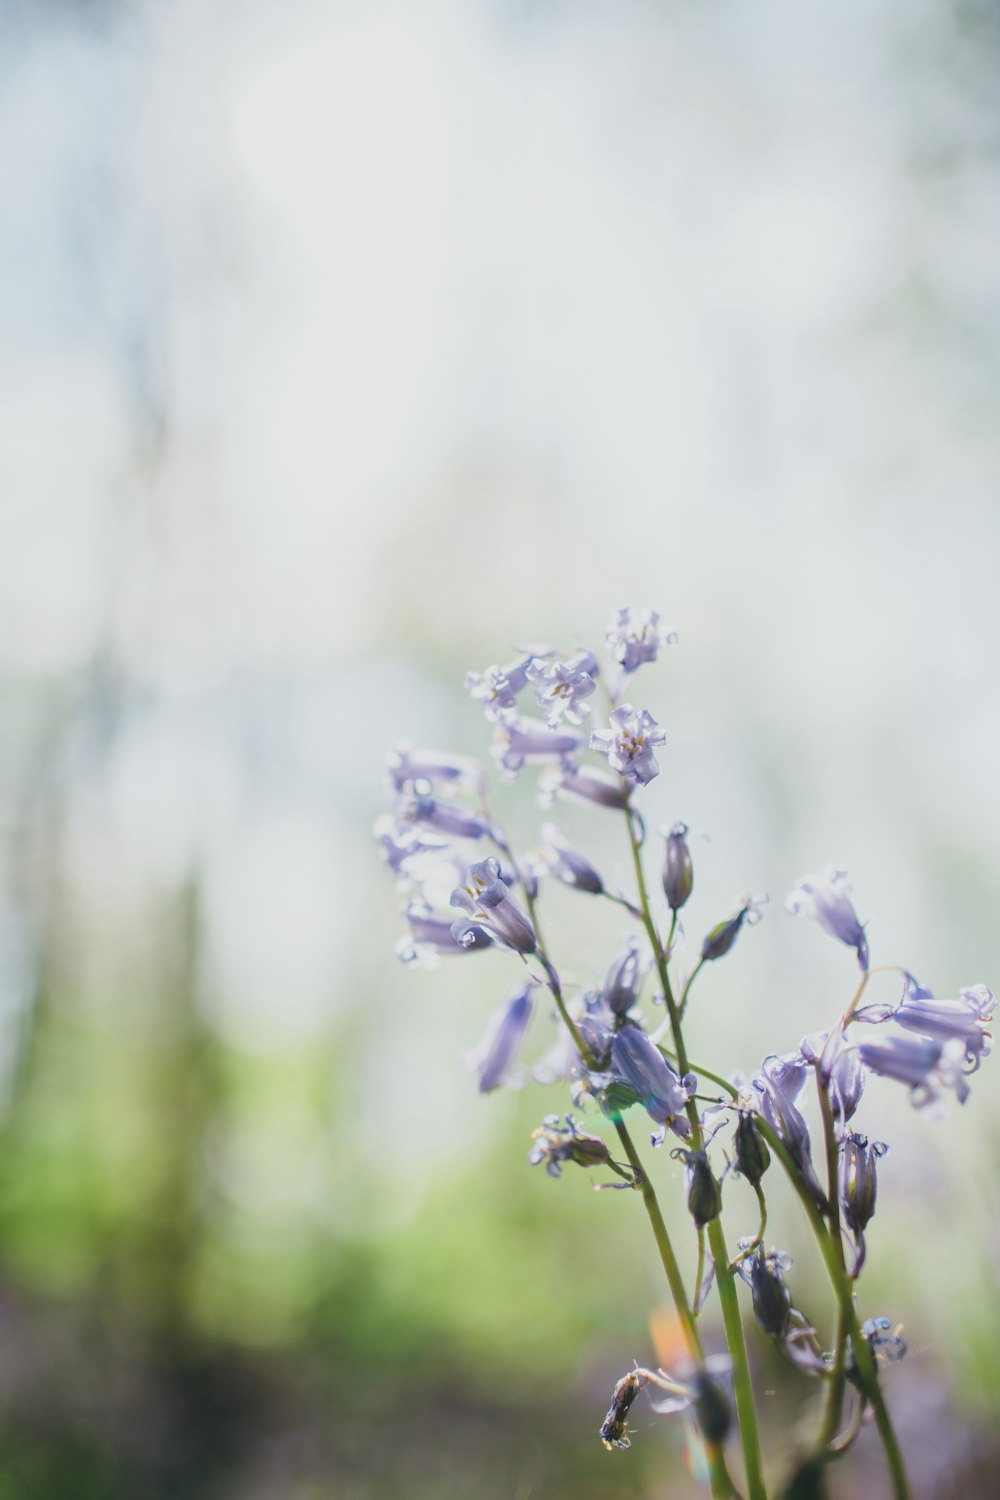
{"points": [[825, 897], [431, 936], [518, 740], [623, 980], [496, 688], [494, 1059], [563, 687], [583, 782], [489, 903], [926, 1065], [408, 769], [723, 935], [636, 1061], [567, 863], [444, 817], [630, 744], [859, 1188], [635, 636]]}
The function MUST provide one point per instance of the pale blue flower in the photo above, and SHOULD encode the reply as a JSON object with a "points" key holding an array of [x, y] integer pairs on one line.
{"points": [[776, 1089], [517, 740], [825, 897], [966, 1019], [498, 1051], [566, 863], [563, 687], [635, 636], [496, 688], [583, 782], [490, 905], [926, 1065], [630, 744], [421, 770], [431, 937], [444, 817], [403, 848], [636, 1061]]}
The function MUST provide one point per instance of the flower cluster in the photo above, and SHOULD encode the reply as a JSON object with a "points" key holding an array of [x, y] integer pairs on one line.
{"points": [[466, 889]]}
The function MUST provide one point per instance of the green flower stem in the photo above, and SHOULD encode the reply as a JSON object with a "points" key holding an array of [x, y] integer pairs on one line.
{"points": [[746, 1410], [687, 988], [842, 1287], [835, 1390]]}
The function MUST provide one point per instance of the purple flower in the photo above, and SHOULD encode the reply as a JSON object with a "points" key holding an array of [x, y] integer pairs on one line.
{"points": [[563, 687], [568, 780], [489, 903], [723, 935], [859, 1188], [624, 980], [678, 871], [776, 1090], [403, 849], [635, 636], [772, 1301], [409, 768], [629, 747], [640, 1064], [965, 1019], [567, 863], [431, 937], [497, 1052], [497, 688], [925, 1064], [825, 898], [519, 740], [444, 817]]}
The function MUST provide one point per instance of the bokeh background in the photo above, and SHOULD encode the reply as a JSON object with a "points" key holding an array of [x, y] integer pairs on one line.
{"points": [[346, 345]]}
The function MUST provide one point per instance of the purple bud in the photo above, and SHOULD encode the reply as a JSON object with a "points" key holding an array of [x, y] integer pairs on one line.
{"points": [[825, 898], [704, 1199], [500, 1046], [678, 871], [624, 980], [858, 1188], [720, 940]]}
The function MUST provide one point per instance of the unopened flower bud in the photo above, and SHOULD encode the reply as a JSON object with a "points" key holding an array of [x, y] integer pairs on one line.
{"points": [[704, 1193], [678, 871], [723, 935], [772, 1303], [752, 1156]]}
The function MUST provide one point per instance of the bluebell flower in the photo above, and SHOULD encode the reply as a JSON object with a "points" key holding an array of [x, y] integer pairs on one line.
{"points": [[496, 1054], [678, 870], [772, 1301], [488, 901], [444, 817], [925, 1064], [583, 782], [637, 1062], [777, 1107], [635, 636], [431, 937], [563, 687], [623, 980], [410, 769], [496, 688], [847, 1085], [630, 743], [567, 863], [704, 1194], [965, 1019], [751, 1155], [723, 935], [825, 897], [403, 849], [555, 1144], [517, 740], [859, 1188]]}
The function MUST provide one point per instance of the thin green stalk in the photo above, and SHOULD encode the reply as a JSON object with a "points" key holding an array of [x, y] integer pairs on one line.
{"points": [[863, 1357], [835, 1390], [746, 1409], [690, 981]]}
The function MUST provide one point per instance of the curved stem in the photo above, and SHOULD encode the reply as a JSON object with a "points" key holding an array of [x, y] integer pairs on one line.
{"points": [[863, 1357], [690, 981], [746, 1410]]}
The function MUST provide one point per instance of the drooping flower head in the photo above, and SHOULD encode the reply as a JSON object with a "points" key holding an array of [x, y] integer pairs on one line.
{"points": [[563, 687], [826, 898], [723, 935], [431, 936], [488, 901], [925, 1064], [965, 1019], [582, 782], [567, 863], [497, 1053], [630, 743], [409, 769], [517, 740], [641, 1065], [635, 636]]}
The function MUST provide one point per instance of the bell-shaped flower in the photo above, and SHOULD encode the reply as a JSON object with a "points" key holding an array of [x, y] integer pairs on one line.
{"points": [[582, 782], [965, 1019], [518, 740], [859, 1188], [490, 906], [444, 817], [637, 1062], [567, 863], [497, 1053], [431, 937], [623, 980], [826, 898], [723, 935], [421, 770], [563, 687], [496, 688], [678, 870], [404, 850], [777, 1108], [772, 1301], [635, 636], [630, 743], [926, 1065]]}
